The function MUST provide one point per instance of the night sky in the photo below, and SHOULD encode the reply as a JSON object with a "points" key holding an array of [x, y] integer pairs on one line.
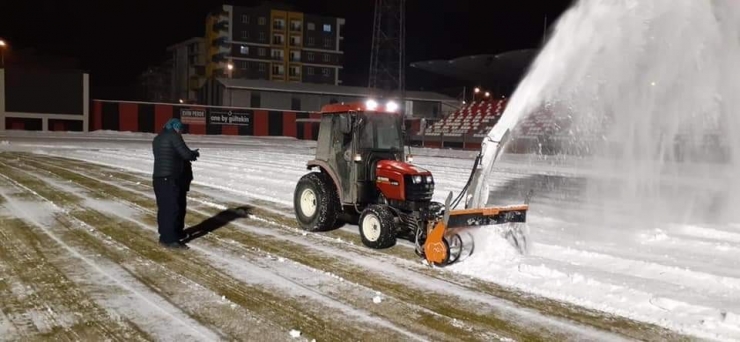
{"points": [[116, 40]]}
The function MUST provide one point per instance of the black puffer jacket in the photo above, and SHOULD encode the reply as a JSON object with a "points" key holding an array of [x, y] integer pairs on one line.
{"points": [[170, 152]]}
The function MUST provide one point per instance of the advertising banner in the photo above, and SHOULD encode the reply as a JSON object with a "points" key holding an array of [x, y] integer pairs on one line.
{"points": [[228, 117], [193, 116]]}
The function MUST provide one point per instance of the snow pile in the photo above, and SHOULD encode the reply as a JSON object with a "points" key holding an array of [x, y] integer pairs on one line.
{"points": [[639, 290], [377, 299], [492, 252]]}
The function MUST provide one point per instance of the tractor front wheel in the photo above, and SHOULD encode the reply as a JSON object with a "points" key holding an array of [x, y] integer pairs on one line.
{"points": [[316, 202], [377, 227]]}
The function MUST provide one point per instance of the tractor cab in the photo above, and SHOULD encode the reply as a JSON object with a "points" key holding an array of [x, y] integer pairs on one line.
{"points": [[361, 163]]}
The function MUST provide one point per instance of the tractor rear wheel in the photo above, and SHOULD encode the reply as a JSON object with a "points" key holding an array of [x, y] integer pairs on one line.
{"points": [[316, 202], [377, 227]]}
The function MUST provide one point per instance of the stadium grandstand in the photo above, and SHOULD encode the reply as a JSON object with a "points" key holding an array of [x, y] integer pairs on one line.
{"points": [[464, 127], [546, 130], [495, 77]]}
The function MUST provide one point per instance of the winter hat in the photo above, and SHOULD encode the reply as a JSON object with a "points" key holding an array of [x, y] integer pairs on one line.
{"points": [[174, 123]]}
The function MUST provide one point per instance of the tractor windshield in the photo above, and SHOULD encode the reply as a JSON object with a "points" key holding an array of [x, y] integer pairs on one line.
{"points": [[381, 132]]}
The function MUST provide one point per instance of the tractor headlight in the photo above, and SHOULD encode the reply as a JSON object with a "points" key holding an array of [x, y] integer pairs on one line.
{"points": [[371, 105], [429, 179], [416, 179], [391, 106]]}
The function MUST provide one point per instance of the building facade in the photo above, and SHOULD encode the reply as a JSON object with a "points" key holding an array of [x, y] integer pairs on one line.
{"points": [[293, 96], [188, 69], [274, 42]]}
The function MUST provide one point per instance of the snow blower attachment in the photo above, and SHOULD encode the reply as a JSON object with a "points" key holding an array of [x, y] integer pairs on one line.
{"points": [[450, 239], [446, 244], [364, 177]]}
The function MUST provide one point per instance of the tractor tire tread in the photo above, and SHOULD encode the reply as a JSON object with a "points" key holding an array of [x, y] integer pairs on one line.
{"points": [[387, 236], [328, 206]]}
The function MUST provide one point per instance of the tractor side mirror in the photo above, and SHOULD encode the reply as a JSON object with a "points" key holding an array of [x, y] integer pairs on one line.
{"points": [[345, 125]]}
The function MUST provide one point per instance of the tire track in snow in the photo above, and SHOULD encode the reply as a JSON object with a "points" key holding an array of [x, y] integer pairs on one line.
{"points": [[138, 237], [189, 297], [68, 311], [97, 265], [27, 312], [299, 256], [532, 166], [552, 263], [129, 190], [247, 273], [558, 261]]}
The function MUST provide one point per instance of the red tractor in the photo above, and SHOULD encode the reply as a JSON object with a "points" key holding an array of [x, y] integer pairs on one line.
{"points": [[361, 169]]}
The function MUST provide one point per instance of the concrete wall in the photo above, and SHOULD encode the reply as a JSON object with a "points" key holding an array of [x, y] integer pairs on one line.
{"points": [[150, 117], [44, 100]]}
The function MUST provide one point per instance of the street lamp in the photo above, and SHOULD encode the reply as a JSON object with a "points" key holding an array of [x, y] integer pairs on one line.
{"points": [[230, 67], [2, 53]]}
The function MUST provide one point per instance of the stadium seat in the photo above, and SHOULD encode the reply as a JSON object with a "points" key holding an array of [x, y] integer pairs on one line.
{"points": [[536, 124], [473, 119]]}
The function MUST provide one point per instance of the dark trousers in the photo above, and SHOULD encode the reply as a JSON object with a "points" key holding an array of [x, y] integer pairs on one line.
{"points": [[182, 203], [167, 191]]}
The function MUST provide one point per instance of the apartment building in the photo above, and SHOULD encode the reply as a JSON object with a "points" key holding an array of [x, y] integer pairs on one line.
{"points": [[274, 42]]}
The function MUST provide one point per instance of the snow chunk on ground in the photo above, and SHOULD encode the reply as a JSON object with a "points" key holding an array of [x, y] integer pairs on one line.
{"points": [[492, 251]]}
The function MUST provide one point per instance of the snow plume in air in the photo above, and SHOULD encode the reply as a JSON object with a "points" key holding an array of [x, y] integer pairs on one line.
{"points": [[646, 93]]}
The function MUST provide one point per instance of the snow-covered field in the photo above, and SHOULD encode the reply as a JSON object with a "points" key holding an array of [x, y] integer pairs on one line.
{"points": [[578, 282]]}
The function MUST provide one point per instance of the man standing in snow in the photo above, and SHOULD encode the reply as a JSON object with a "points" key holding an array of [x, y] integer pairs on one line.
{"points": [[170, 154]]}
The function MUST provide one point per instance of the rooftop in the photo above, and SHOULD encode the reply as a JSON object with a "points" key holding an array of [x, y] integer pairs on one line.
{"points": [[186, 42], [327, 89], [507, 67]]}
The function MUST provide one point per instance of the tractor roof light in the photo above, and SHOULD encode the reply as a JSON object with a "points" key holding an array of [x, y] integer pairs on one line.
{"points": [[391, 106], [371, 105]]}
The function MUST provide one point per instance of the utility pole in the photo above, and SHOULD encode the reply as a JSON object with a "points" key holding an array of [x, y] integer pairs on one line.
{"points": [[544, 32]]}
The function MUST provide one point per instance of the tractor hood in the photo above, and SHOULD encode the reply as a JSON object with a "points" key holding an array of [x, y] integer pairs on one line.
{"points": [[401, 167]]}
